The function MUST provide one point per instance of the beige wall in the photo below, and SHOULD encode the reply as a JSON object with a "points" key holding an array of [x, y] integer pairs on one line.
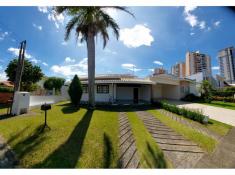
{"points": [[160, 91]]}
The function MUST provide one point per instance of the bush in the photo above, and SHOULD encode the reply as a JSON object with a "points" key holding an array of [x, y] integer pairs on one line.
{"points": [[225, 99], [5, 89], [193, 115], [191, 98], [75, 91]]}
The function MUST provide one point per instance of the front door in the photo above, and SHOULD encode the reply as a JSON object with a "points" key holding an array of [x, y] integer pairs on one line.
{"points": [[136, 97]]}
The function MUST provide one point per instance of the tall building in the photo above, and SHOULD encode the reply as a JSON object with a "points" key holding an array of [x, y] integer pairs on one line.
{"points": [[158, 71], [197, 62], [178, 70], [227, 64]]}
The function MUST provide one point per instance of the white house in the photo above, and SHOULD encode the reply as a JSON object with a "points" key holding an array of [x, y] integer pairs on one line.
{"points": [[122, 89]]}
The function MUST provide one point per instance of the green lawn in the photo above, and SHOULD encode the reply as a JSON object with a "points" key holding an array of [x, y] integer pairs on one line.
{"points": [[78, 138], [227, 105], [205, 142], [150, 154]]}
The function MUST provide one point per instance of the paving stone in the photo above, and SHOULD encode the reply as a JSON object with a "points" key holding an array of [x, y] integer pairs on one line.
{"points": [[127, 149], [181, 152]]}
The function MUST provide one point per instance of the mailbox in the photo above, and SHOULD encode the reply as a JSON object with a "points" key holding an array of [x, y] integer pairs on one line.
{"points": [[45, 107]]}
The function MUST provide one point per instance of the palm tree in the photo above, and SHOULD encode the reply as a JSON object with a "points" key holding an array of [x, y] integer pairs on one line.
{"points": [[88, 23]]}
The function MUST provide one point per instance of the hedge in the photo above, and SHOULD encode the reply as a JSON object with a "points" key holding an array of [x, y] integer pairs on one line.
{"points": [[5, 89], [193, 115], [225, 99]]}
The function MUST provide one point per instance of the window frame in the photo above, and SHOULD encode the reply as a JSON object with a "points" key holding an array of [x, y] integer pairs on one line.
{"points": [[100, 89], [85, 88]]}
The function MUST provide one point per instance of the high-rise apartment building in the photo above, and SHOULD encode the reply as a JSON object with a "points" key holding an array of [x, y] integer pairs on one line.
{"points": [[197, 62], [158, 71], [227, 64], [178, 70]]}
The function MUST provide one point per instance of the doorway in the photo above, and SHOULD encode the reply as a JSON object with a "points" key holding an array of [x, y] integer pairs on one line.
{"points": [[136, 95]]}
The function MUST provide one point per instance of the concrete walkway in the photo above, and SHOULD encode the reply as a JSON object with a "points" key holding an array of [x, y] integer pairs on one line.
{"points": [[224, 155], [220, 114]]}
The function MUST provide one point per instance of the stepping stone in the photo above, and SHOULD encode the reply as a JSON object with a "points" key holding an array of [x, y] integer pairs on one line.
{"points": [[127, 148], [181, 152]]}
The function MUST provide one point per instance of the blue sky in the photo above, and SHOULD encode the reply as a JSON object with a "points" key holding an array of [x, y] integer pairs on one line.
{"points": [[156, 37]]}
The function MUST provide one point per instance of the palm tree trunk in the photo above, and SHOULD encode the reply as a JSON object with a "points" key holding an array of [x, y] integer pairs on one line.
{"points": [[91, 69]]}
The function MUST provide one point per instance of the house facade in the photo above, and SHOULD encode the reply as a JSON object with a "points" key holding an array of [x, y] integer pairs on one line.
{"points": [[126, 89]]}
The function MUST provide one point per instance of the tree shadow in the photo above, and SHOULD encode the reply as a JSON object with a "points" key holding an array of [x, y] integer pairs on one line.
{"points": [[68, 154], [15, 136], [69, 108], [29, 143], [158, 160], [108, 151]]}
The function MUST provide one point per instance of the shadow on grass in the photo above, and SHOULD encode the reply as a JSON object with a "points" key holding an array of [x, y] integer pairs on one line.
{"points": [[29, 143], [158, 160], [68, 154], [69, 108], [108, 150]]}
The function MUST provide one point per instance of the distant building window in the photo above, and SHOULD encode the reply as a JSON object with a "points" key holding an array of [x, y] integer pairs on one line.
{"points": [[85, 88], [102, 89]]}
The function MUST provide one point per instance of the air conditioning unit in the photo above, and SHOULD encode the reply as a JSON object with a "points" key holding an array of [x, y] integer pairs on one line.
{"points": [[20, 103]]}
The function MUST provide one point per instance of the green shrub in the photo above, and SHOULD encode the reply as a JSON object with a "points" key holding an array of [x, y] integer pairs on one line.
{"points": [[193, 115], [75, 91], [225, 99], [5, 89]]}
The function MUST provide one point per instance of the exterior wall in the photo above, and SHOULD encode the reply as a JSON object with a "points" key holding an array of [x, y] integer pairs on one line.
{"points": [[100, 97], [126, 93], [156, 92], [171, 92]]}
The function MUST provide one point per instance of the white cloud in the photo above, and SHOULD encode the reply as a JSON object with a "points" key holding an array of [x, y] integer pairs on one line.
{"points": [[107, 50], [34, 60], [217, 23], [130, 67], [192, 19], [70, 70], [64, 43], [37, 27], [15, 52], [43, 9], [57, 19], [192, 33], [69, 60], [3, 35], [137, 36], [158, 63], [3, 76], [215, 68], [202, 25], [44, 63]]}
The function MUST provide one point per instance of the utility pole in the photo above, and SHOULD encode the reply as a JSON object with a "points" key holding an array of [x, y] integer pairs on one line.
{"points": [[20, 66], [19, 70]]}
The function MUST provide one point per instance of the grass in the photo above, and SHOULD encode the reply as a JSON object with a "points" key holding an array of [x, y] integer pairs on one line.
{"points": [[227, 105], [205, 142], [150, 154], [213, 125], [78, 138]]}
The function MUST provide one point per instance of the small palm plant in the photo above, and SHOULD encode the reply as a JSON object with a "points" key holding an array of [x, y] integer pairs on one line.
{"points": [[88, 23]]}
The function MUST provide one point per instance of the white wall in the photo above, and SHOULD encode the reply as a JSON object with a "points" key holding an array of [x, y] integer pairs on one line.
{"points": [[124, 93], [171, 92], [39, 100], [145, 93], [156, 91], [100, 97]]}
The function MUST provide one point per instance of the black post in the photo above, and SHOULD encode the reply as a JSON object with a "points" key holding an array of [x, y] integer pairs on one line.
{"points": [[46, 118]]}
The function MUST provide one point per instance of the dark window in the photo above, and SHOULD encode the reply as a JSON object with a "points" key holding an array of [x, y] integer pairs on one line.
{"points": [[85, 88], [102, 89]]}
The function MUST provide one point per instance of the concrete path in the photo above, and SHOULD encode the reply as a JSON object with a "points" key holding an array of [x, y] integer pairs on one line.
{"points": [[224, 155], [128, 153], [192, 124], [7, 157], [181, 152], [216, 113]]}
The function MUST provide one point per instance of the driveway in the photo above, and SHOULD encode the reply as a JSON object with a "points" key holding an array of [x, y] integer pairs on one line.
{"points": [[216, 113]]}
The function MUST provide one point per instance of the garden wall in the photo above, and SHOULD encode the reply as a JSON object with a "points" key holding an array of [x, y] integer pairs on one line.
{"points": [[39, 100], [5, 96]]}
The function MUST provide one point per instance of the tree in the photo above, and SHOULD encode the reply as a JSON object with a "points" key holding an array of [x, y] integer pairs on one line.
{"points": [[31, 74], [54, 82], [206, 91], [88, 23], [75, 91]]}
